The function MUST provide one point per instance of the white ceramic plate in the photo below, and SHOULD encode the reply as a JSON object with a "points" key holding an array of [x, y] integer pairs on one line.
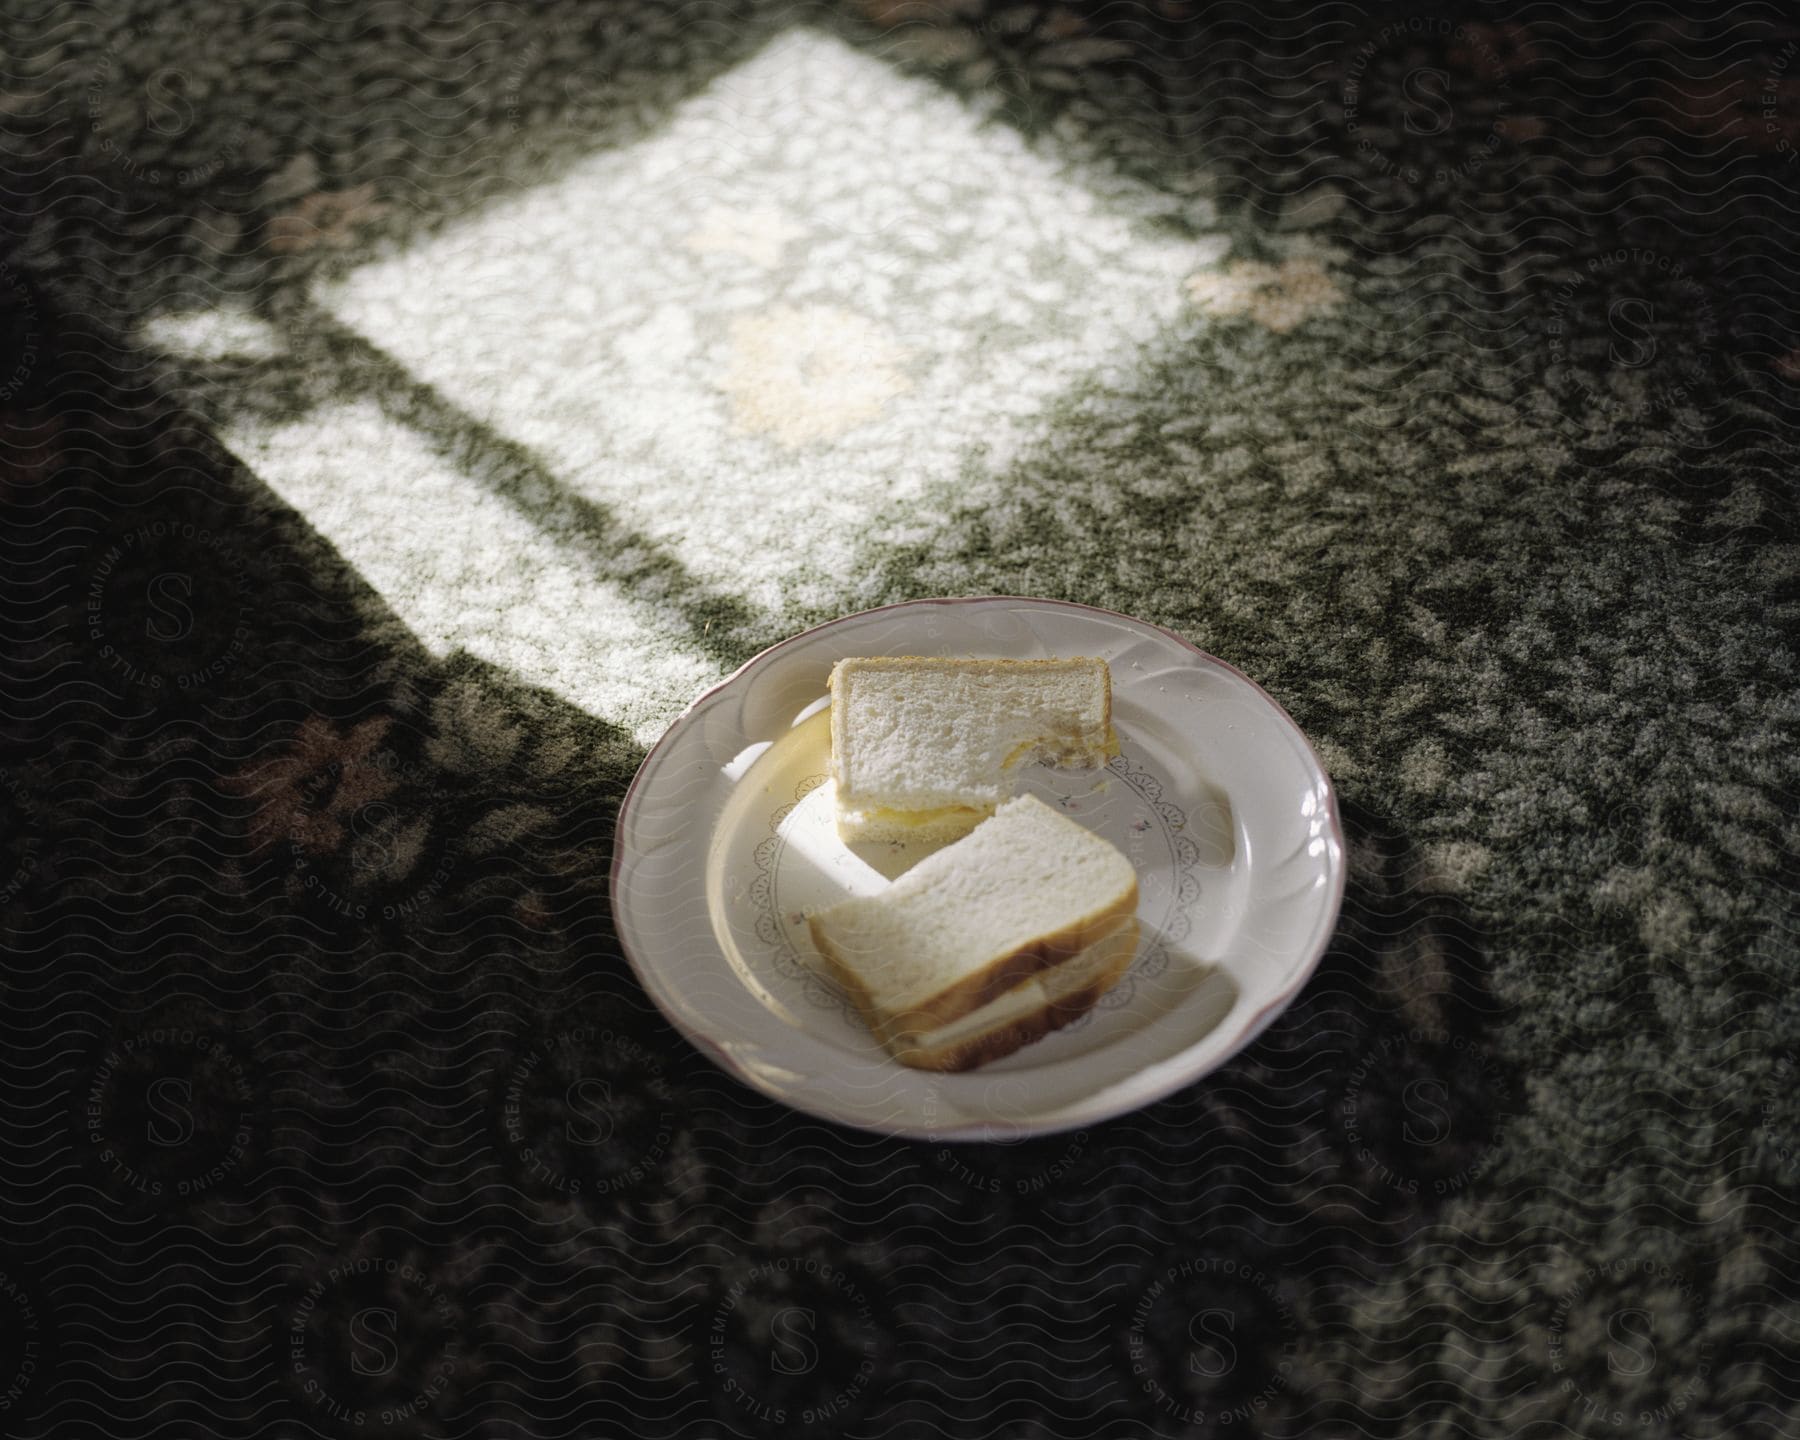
{"points": [[726, 837]]}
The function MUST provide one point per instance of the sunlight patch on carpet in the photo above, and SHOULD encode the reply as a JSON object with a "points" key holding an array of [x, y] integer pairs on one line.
{"points": [[745, 342], [466, 571], [821, 286]]}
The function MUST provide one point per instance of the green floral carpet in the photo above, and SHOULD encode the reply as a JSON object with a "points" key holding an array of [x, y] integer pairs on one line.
{"points": [[405, 409]]}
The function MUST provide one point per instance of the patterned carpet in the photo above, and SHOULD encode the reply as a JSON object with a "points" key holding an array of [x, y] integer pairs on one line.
{"points": [[406, 408]]}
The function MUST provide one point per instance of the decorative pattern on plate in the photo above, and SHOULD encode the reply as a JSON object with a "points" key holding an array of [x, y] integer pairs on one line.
{"points": [[1184, 890]]}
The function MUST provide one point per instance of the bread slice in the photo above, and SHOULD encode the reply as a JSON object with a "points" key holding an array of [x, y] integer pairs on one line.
{"points": [[921, 747], [1022, 894]]}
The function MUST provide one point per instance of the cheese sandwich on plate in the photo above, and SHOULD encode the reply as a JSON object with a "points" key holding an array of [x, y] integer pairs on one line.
{"points": [[1013, 931], [921, 748]]}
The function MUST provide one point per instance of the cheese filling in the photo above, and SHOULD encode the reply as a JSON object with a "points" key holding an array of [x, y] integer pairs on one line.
{"points": [[1028, 997], [914, 819]]}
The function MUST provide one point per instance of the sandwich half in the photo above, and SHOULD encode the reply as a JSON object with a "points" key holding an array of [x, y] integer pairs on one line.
{"points": [[921, 748], [1009, 933]]}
